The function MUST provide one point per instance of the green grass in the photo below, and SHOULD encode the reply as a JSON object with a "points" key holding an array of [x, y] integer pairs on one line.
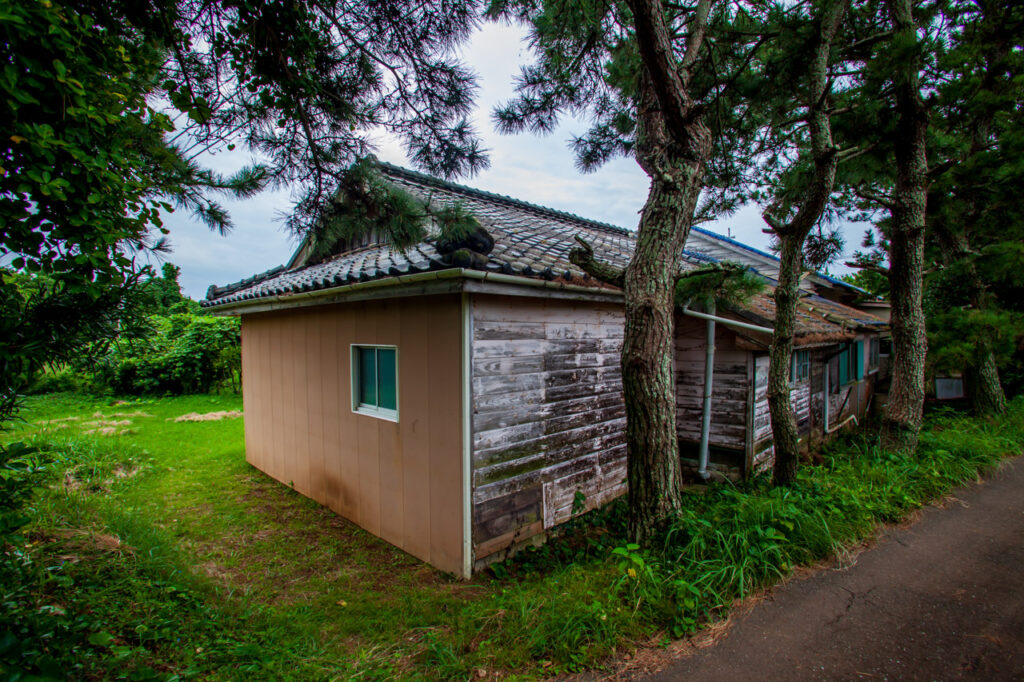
{"points": [[157, 552]]}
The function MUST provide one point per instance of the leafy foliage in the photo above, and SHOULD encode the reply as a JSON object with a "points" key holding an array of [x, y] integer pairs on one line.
{"points": [[588, 66], [305, 84], [185, 354]]}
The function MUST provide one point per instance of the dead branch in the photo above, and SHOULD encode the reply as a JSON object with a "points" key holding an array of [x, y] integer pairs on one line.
{"points": [[583, 257]]}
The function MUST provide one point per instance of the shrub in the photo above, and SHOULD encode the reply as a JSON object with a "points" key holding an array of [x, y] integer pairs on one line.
{"points": [[186, 354]]}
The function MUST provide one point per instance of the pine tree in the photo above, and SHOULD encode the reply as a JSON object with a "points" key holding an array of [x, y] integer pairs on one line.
{"points": [[659, 90], [801, 196]]}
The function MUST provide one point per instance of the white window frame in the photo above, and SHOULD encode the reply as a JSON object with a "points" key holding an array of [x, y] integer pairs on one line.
{"points": [[384, 413]]}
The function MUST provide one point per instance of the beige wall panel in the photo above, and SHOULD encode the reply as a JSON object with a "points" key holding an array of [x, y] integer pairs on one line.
{"points": [[402, 481], [444, 340], [299, 423], [392, 503], [277, 394], [266, 407], [315, 405], [348, 445], [330, 409], [415, 432], [368, 439]]}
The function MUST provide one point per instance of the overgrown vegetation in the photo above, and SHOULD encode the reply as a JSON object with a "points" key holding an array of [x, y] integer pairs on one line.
{"points": [[164, 345], [155, 552]]}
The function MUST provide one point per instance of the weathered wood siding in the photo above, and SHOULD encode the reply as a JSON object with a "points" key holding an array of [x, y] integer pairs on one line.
{"points": [[799, 398], [401, 481], [548, 417], [730, 387]]}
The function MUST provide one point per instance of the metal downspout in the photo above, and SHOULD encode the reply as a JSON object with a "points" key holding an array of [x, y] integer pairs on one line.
{"points": [[726, 321], [826, 408], [709, 376]]}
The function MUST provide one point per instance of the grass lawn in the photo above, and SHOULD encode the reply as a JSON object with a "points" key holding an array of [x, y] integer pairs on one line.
{"points": [[158, 552]]}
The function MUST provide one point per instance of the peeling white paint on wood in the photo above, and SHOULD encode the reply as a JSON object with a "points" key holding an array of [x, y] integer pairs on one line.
{"points": [[548, 416]]}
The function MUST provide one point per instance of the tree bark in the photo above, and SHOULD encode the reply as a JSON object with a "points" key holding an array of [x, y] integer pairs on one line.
{"points": [[648, 379], [672, 146], [785, 436], [901, 422]]}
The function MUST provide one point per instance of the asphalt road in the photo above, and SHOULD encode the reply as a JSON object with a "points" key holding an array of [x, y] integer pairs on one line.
{"points": [[940, 599]]}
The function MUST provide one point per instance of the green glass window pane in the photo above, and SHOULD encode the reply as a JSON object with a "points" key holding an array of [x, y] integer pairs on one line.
{"points": [[844, 366], [367, 376], [859, 350], [387, 381]]}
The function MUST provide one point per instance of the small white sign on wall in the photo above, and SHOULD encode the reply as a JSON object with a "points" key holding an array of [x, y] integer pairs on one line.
{"points": [[949, 388]]}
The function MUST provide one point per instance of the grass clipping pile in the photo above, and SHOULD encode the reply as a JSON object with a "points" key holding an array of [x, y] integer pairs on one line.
{"points": [[208, 416]]}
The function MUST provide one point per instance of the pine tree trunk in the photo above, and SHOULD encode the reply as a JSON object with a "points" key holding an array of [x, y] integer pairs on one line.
{"points": [[901, 422], [984, 388], [784, 430], [648, 381], [785, 435]]}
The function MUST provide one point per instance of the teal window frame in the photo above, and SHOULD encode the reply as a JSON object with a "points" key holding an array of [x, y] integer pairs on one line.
{"points": [[801, 366], [874, 345], [851, 363], [384, 381]]}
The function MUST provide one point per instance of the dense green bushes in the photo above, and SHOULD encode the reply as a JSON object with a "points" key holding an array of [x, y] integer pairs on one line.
{"points": [[186, 353], [163, 344]]}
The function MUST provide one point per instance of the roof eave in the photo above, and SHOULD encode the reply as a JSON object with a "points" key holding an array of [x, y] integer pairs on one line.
{"points": [[412, 285]]}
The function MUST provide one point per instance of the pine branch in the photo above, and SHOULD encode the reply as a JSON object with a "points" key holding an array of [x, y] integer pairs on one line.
{"points": [[881, 199], [669, 79]]}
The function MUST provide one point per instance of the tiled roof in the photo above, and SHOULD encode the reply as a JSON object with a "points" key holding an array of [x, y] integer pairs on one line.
{"points": [[529, 241]]}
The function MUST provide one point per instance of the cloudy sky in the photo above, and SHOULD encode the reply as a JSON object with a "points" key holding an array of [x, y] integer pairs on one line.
{"points": [[525, 166]]}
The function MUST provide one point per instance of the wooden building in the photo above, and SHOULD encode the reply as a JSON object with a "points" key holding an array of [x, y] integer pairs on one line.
{"points": [[460, 412]]}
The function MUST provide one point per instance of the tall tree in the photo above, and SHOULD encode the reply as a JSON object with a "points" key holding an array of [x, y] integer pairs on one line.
{"points": [[801, 197], [898, 42], [946, 161], [903, 415], [971, 198], [108, 106], [657, 89]]}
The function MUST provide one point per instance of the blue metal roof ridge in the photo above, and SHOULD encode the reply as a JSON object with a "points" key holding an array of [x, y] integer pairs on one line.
{"points": [[759, 252]]}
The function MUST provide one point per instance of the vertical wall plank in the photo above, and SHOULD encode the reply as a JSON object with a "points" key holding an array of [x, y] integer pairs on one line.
{"points": [[330, 409], [392, 484], [314, 380], [350, 504], [414, 425], [445, 437]]}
